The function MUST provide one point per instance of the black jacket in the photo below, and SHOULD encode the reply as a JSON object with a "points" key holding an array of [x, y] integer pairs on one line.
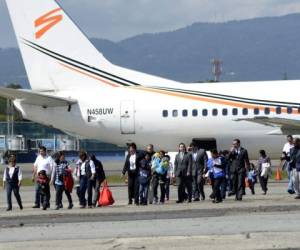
{"points": [[100, 174], [200, 164], [238, 162], [126, 168], [183, 167]]}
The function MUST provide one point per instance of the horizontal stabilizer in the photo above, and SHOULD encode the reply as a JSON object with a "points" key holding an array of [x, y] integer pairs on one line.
{"points": [[33, 98], [287, 126]]}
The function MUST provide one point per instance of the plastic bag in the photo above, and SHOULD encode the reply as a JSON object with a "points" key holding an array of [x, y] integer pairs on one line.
{"points": [[106, 197]]}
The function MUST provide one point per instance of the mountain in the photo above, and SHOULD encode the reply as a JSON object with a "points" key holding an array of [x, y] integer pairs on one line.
{"points": [[256, 49]]}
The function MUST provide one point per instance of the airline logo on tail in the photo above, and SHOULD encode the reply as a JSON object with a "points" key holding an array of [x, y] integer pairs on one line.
{"points": [[48, 20]]}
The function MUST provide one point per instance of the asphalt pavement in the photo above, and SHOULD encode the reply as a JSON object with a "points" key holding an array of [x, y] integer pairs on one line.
{"points": [[258, 222]]}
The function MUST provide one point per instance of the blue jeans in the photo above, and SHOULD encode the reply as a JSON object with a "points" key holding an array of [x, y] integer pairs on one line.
{"points": [[291, 184], [86, 184], [13, 188], [144, 193]]}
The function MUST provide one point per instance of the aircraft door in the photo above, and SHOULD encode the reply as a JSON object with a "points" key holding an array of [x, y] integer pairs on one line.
{"points": [[127, 117]]}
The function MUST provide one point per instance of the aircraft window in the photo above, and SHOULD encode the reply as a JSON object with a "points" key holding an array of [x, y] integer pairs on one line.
{"points": [[278, 110], [289, 110], [245, 111], [195, 112], [215, 112], [256, 111], [175, 113], [204, 112], [184, 113], [267, 111], [165, 113], [225, 112], [235, 111]]}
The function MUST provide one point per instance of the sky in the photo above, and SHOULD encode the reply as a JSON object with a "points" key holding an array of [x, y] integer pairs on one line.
{"points": [[120, 19]]}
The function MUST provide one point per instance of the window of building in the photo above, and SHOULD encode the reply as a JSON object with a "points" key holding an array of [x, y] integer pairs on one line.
{"points": [[184, 113], [195, 112], [256, 111], [235, 111], [165, 113], [215, 112], [245, 111], [267, 111], [204, 112], [175, 113], [278, 110], [289, 110]]}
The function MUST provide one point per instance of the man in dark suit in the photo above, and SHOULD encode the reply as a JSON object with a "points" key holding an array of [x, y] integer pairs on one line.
{"points": [[183, 173], [132, 166], [239, 163], [199, 162]]}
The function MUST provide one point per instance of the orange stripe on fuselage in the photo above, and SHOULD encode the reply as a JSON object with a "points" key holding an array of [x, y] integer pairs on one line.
{"points": [[207, 99], [185, 96], [89, 75]]}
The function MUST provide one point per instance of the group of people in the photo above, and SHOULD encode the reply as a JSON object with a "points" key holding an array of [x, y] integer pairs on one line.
{"points": [[227, 171], [291, 163], [86, 177]]}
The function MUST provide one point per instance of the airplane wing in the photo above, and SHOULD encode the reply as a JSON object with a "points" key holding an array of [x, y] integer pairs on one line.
{"points": [[287, 126], [34, 98]]}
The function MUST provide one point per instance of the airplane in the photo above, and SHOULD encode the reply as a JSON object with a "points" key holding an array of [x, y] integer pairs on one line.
{"points": [[76, 89]]}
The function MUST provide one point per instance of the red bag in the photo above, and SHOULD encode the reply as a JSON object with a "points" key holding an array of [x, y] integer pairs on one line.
{"points": [[68, 180], [105, 198]]}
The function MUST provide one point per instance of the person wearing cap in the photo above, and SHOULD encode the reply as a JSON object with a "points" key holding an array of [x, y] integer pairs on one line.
{"points": [[12, 178]]}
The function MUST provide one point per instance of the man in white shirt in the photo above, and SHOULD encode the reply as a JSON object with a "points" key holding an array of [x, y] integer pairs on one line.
{"points": [[45, 163], [286, 156]]}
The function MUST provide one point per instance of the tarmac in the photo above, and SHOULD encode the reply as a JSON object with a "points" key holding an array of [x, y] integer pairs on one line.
{"points": [[258, 222]]}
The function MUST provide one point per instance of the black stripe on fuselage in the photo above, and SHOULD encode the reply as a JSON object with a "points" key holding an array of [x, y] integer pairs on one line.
{"points": [[67, 60], [232, 98]]}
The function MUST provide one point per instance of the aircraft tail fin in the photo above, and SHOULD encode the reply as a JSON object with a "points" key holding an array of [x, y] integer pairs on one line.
{"points": [[57, 55]]}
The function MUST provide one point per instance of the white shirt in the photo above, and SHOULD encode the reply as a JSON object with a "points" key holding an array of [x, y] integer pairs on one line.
{"points": [[82, 167], [44, 163], [195, 156], [287, 148], [132, 160], [11, 172]]}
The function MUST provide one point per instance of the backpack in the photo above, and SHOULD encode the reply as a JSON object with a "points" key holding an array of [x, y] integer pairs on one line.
{"points": [[68, 180]]}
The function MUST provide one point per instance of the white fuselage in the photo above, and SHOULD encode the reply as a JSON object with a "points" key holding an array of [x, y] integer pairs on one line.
{"points": [[121, 115]]}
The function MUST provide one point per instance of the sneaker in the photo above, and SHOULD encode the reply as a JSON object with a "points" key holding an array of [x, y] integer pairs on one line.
{"points": [[36, 206], [9, 209], [21, 207], [291, 191], [70, 206], [82, 206], [297, 197]]}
